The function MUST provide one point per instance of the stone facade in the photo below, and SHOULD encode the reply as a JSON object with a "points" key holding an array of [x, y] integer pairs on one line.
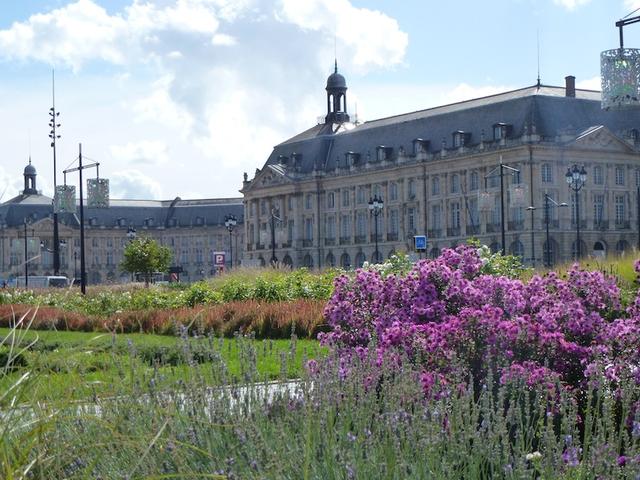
{"points": [[437, 171], [193, 229]]}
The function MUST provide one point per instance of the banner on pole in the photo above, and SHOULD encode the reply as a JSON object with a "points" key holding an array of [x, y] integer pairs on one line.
{"points": [[64, 200], [98, 193]]}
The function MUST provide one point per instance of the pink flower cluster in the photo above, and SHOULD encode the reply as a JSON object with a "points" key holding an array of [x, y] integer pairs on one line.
{"points": [[449, 316]]}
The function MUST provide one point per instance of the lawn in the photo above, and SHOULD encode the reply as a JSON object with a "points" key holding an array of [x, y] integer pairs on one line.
{"points": [[78, 365]]}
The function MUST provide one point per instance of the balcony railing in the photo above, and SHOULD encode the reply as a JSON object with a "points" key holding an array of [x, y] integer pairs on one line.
{"points": [[249, 247], [360, 239], [392, 237], [373, 238], [583, 224], [345, 240], [434, 233], [493, 227], [287, 244], [259, 246], [453, 231], [516, 224], [624, 225], [307, 242], [601, 225], [473, 229], [329, 241]]}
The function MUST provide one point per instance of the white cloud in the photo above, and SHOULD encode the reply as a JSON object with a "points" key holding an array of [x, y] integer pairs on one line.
{"points": [[145, 152], [590, 83], [571, 4], [134, 184], [632, 4], [225, 98], [223, 39]]}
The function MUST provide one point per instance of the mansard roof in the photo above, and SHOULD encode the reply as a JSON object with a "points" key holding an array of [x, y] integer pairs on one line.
{"points": [[136, 213], [544, 108]]}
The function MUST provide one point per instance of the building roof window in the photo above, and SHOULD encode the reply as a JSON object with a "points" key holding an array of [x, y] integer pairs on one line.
{"points": [[501, 131], [420, 146], [461, 138], [383, 153]]}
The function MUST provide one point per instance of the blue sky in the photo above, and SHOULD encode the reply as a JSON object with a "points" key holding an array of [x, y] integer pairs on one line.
{"points": [[179, 97]]}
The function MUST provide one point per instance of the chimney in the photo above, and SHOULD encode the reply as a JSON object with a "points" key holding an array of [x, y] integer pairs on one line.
{"points": [[570, 86]]}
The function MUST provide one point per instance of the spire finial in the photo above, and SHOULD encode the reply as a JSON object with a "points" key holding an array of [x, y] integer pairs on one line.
{"points": [[29, 159], [335, 65]]}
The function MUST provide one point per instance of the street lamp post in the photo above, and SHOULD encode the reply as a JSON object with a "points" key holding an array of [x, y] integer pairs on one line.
{"points": [[131, 236], [376, 204], [230, 221], [576, 178], [26, 258], [75, 265], [79, 169], [53, 114], [43, 246], [548, 203], [274, 217], [512, 170]]}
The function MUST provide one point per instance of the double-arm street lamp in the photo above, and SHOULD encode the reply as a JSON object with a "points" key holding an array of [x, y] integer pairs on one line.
{"points": [[230, 221], [548, 204], [55, 251], [576, 178], [53, 135], [501, 167], [376, 204], [274, 216]]}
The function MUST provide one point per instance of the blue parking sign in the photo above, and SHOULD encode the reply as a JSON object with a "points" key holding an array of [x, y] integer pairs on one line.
{"points": [[420, 242]]}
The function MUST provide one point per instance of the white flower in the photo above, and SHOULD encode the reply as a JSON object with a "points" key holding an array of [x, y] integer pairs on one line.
{"points": [[533, 456]]}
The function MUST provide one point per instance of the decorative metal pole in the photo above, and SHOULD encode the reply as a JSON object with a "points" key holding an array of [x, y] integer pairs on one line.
{"points": [[83, 275], [546, 221], [79, 169], [576, 178], [54, 136], [376, 205], [26, 258], [502, 229], [638, 207], [274, 216], [230, 222]]}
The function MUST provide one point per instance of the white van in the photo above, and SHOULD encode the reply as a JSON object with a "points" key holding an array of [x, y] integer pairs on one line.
{"points": [[37, 281]]}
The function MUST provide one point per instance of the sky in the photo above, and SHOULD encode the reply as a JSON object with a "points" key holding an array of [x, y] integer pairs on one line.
{"points": [[180, 97]]}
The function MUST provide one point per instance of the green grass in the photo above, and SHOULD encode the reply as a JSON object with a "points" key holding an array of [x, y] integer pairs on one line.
{"points": [[81, 365]]}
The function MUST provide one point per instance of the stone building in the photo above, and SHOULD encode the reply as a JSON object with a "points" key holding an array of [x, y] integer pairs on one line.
{"points": [[193, 229], [437, 171]]}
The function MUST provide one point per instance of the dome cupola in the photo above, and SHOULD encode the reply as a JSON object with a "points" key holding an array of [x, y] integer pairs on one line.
{"points": [[336, 97]]}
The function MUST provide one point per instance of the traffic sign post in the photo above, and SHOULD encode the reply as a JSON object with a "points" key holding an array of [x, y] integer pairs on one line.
{"points": [[420, 244]]}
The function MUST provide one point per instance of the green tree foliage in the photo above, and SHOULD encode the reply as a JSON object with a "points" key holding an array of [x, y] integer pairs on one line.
{"points": [[145, 256]]}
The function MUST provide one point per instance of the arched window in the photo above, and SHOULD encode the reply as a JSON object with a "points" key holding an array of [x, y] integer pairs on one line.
{"points": [[330, 261], [360, 259], [622, 246], [434, 252], [599, 250], [307, 261], [345, 261], [516, 248], [287, 261]]}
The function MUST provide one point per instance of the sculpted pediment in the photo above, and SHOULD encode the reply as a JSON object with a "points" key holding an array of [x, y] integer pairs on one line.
{"points": [[601, 138]]}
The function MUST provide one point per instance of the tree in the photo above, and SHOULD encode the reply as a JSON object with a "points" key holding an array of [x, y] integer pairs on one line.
{"points": [[144, 255]]}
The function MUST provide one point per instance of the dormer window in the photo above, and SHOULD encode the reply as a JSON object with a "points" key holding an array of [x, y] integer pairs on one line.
{"points": [[148, 222], [460, 138], [199, 221], [501, 131], [296, 160], [383, 153], [283, 159], [173, 222], [634, 134], [420, 146], [121, 222], [93, 221], [352, 159]]}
